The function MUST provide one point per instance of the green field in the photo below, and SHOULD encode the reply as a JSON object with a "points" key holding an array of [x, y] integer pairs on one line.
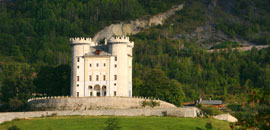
{"points": [[126, 123]]}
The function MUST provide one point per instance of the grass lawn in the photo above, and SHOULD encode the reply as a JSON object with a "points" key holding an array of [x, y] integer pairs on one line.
{"points": [[126, 123]]}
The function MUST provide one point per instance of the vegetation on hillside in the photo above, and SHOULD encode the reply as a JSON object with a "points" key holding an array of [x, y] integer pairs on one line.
{"points": [[35, 55]]}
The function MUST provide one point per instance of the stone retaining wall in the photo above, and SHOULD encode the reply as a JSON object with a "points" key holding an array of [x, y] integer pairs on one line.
{"points": [[177, 112], [91, 103]]}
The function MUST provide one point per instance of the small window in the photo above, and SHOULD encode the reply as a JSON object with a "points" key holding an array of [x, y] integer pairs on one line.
{"points": [[115, 66], [104, 64], [115, 77], [97, 78], [91, 93], [105, 93], [77, 85], [97, 64], [78, 59], [114, 84], [78, 94], [90, 77], [78, 78], [90, 65], [115, 58], [114, 93], [104, 77], [78, 67], [90, 87]]}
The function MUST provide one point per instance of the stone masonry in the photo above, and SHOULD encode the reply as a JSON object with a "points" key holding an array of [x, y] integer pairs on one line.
{"points": [[177, 112]]}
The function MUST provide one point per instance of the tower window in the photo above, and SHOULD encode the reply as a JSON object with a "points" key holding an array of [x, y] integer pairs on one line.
{"points": [[90, 77], [90, 87], [115, 66], [78, 94], [91, 93], [97, 78], [114, 93], [78, 78], [77, 85], [78, 59], [115, 58], [97, 64], [114, 84], [104, 64], [78, 67], [115, 77], [104, 77], [90, 65]]}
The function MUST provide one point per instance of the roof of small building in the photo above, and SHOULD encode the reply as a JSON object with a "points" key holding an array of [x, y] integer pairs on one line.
{"points": [[100, 53], [211, 102]]}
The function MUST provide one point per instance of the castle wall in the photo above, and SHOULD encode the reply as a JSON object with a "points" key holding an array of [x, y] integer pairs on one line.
{"points": [[177, 112], [86, 103]]}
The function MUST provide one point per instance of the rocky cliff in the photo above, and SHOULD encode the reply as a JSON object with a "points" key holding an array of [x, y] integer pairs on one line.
{"points": [[134, 27]]}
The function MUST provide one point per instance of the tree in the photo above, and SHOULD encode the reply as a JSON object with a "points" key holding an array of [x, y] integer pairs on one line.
{"points": [[158, 85], [17, 86], [53, 80]]}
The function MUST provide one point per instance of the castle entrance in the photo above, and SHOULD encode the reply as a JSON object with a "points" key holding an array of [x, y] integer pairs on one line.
{"points": [[104, 90], [97, 90]]}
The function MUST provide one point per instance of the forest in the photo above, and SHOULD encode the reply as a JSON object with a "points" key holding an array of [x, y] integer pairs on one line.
{"points": [[35, 56]]}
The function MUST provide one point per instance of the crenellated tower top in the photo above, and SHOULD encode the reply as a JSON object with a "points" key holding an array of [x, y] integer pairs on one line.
{"points": [[82, 40], [116, 39]]}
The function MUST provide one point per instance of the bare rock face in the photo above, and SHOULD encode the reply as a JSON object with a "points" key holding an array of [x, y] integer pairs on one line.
{"points": [[134, 27]]}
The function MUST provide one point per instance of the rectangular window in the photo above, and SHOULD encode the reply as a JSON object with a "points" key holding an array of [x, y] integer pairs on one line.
{"points": [[114, 93], [78, 94], [97, 64], [104, 77], [90, 65], [78, 59], [104, 64], [91, 93], [104, 93], [78, 67], [78, 78], [77, 85], [115, 66], [90, 77], [115, 77], [97, 78], [115, 58], [114, 84]]}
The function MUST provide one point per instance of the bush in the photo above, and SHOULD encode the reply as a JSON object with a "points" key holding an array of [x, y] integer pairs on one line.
{"points": [[14, 127], [150, 103], [208, 126], [211, 110], [112, 124]]}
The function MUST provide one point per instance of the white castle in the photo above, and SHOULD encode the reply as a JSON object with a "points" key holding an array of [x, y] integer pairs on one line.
{"points": [[101, 69]]}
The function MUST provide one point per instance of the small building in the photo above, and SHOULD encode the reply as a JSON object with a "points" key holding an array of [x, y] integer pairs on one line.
{"points": [[217, 103]]}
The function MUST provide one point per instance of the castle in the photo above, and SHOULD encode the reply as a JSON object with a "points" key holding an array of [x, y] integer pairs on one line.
{"points": [[101, 69]]}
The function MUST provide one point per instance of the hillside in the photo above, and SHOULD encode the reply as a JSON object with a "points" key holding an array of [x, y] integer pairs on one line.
{"points": [[169, 59]]}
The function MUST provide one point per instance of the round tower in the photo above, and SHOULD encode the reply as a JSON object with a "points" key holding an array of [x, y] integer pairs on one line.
{"points": [[122, 51], [80, 46]]}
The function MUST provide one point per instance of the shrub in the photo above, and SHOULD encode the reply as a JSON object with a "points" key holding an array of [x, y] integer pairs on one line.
{"points": [[14, 127], [208, 126], [211, 110], [150, 103], [112, 124]]}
